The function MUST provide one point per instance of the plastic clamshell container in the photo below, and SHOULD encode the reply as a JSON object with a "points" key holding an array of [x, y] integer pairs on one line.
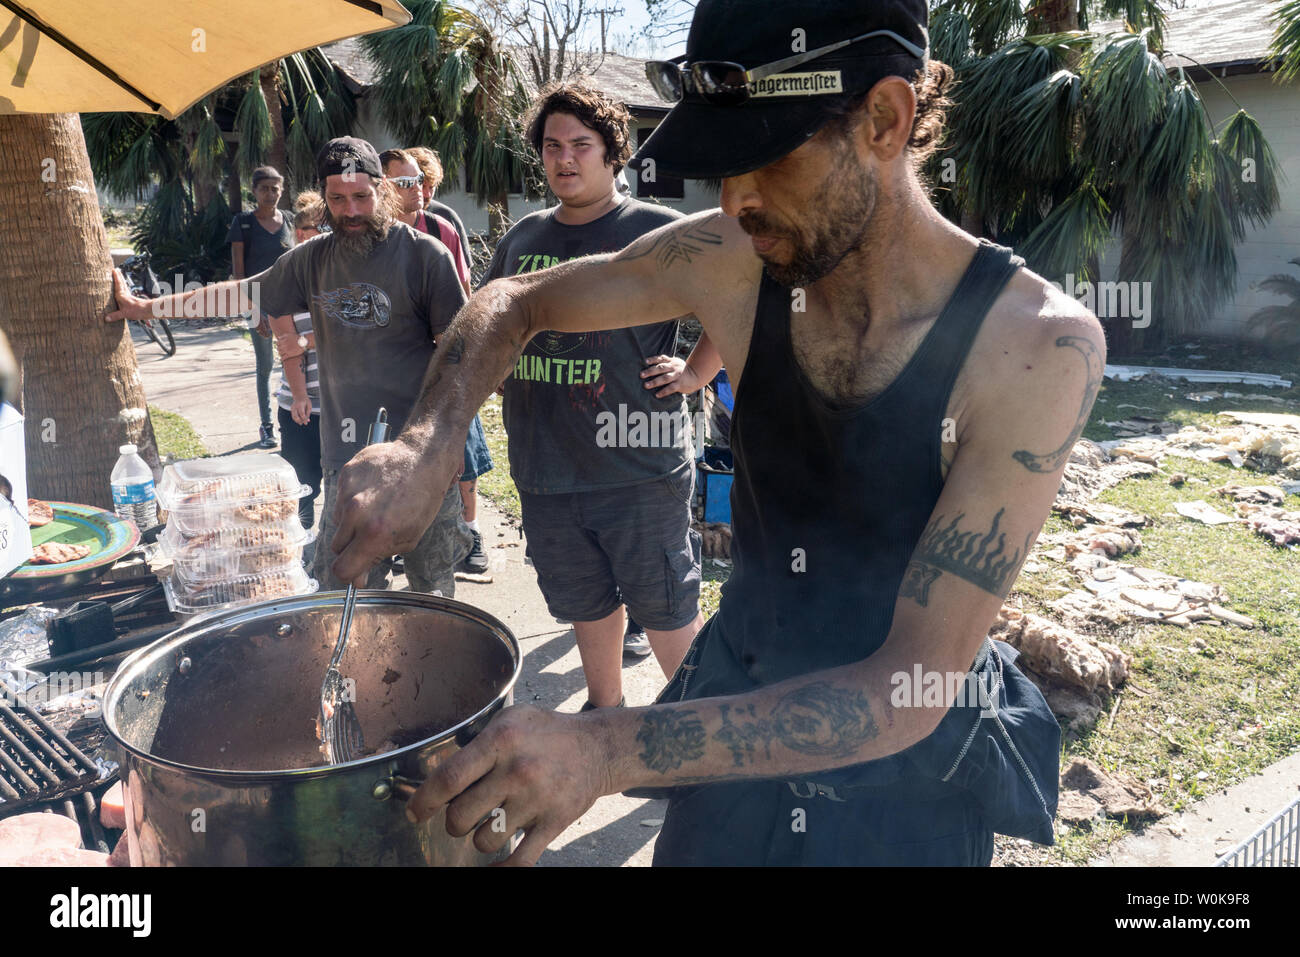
{"points": [[195, 518], [233, 491], [224, 553], [229, 478], [200, 598]]}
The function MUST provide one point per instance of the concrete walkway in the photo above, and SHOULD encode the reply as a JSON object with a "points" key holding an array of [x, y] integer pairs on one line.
{"points": [[1214, 826], [210, 381]]}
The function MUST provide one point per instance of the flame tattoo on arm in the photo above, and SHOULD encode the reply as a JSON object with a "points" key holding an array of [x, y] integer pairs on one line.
{"points": [[980, 558]]}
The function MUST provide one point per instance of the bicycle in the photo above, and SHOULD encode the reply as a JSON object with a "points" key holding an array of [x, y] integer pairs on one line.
{"points": [[143, 282]]}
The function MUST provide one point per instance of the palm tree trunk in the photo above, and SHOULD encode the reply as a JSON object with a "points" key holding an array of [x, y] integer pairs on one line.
{"points": [[80, 387], [1053, 16], [1119, 331], [270, 78]]}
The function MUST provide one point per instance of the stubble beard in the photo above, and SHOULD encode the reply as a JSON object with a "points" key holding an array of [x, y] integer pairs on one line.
{"points": [[848, 196]]}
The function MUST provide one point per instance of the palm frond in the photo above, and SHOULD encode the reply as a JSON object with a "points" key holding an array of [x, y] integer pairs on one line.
{"points": [[1070, 236], [1286, 41], [1255, 183], [1137, 14], [207, 159], [453, 79], [1277, 325], [253, 124], [1040, 124], [991, 23], [950, 40], [1127, 89], [1177, 147]]}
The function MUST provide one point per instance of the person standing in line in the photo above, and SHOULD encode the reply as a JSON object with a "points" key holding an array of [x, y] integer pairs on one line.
{"points": [[299, 395], [257, 239], [411, 182], [431, 166], [607, 520]]}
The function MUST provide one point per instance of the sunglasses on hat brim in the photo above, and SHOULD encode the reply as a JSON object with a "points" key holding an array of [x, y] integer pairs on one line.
{"points": [[724, 83]]}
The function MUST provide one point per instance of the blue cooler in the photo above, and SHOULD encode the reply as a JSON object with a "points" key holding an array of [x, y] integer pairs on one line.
{"points": [[716, 476]]}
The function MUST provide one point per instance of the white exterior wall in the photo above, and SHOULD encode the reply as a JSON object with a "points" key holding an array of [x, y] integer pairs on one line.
{"points": [[1264, 251]]}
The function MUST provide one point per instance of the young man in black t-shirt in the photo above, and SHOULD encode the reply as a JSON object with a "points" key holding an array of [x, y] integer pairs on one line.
{"points": [[603, 464]]}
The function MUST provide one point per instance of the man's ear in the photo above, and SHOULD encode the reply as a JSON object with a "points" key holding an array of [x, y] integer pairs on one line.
{"points": [[890, 107]]}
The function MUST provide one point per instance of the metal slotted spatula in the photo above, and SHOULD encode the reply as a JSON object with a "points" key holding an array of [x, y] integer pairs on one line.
{"points": [[340, 731]]}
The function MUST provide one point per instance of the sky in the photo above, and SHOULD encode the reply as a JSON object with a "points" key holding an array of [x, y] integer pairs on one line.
{"points": [[630, 23]]}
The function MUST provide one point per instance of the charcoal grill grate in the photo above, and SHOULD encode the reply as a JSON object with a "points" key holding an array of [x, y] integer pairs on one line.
{"points": [[37, 763]]}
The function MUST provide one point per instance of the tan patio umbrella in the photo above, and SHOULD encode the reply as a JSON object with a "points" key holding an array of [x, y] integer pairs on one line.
{"points": [[159, 56], [79, 385]]}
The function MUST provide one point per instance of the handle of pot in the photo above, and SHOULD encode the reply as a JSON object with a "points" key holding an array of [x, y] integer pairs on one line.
{"points": [[396, 786]]}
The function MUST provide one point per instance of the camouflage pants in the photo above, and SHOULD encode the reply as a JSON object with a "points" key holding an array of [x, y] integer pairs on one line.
{"points": [[430, 566]]}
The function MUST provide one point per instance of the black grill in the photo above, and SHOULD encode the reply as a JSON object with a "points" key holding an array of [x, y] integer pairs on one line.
{"points": [[37, 763]]}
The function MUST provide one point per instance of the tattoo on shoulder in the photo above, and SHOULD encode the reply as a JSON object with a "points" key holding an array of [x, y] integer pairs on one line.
{"points": [[669, 739], [679, 245], [1051, 461], [980, 558]]}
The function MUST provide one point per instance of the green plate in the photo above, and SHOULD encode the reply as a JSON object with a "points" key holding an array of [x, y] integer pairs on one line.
{"points": [[108, 536]]}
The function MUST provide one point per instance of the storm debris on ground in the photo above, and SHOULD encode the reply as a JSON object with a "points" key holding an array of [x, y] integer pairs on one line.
{"points": [[1090, 794]]}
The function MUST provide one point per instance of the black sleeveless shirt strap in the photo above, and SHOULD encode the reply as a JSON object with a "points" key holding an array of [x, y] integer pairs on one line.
{"points": [[945, 349]]}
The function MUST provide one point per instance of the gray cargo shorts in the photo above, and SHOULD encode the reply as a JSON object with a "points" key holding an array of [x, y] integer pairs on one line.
{"points": [[635, 546]]}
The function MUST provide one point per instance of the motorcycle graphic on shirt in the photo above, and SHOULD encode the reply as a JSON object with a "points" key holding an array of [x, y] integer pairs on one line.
{"points": [[361, 305]]}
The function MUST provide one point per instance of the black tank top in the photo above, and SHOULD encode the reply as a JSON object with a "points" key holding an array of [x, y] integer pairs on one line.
{"points": [[828, 504]]}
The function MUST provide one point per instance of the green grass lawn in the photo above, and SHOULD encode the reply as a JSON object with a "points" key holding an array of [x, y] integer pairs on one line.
{"points": [[175, 436], [497, 486], [1192, 720]]}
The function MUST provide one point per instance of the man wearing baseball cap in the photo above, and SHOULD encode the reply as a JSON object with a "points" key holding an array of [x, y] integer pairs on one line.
{"points": [[379, 294], [906, 399]]}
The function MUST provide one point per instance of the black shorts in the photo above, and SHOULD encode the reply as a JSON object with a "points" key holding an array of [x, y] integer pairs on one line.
{"points": [[635, 546]]}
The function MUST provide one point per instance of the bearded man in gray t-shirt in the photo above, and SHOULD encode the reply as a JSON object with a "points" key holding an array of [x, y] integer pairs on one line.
{"points": [[379, 294]]}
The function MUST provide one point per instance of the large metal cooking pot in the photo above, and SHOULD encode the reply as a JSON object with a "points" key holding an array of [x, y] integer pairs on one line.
{"points": [[217, 725]]}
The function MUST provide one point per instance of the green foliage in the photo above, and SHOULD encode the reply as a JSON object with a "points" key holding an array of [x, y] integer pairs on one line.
{"points": [[445, 81], [184, 240], [253, 125], [1060, 139], [1286, 41], [187, 159]]}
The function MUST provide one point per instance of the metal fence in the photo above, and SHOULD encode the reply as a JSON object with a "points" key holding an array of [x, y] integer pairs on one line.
{"points": [[1276, 844]]}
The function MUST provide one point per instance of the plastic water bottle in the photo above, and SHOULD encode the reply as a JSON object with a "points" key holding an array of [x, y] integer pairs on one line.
{"points": [[133, 491]]}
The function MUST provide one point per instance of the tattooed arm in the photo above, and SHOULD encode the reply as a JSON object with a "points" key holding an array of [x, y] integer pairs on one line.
{"points": [[546, 769], [384, 501]]}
